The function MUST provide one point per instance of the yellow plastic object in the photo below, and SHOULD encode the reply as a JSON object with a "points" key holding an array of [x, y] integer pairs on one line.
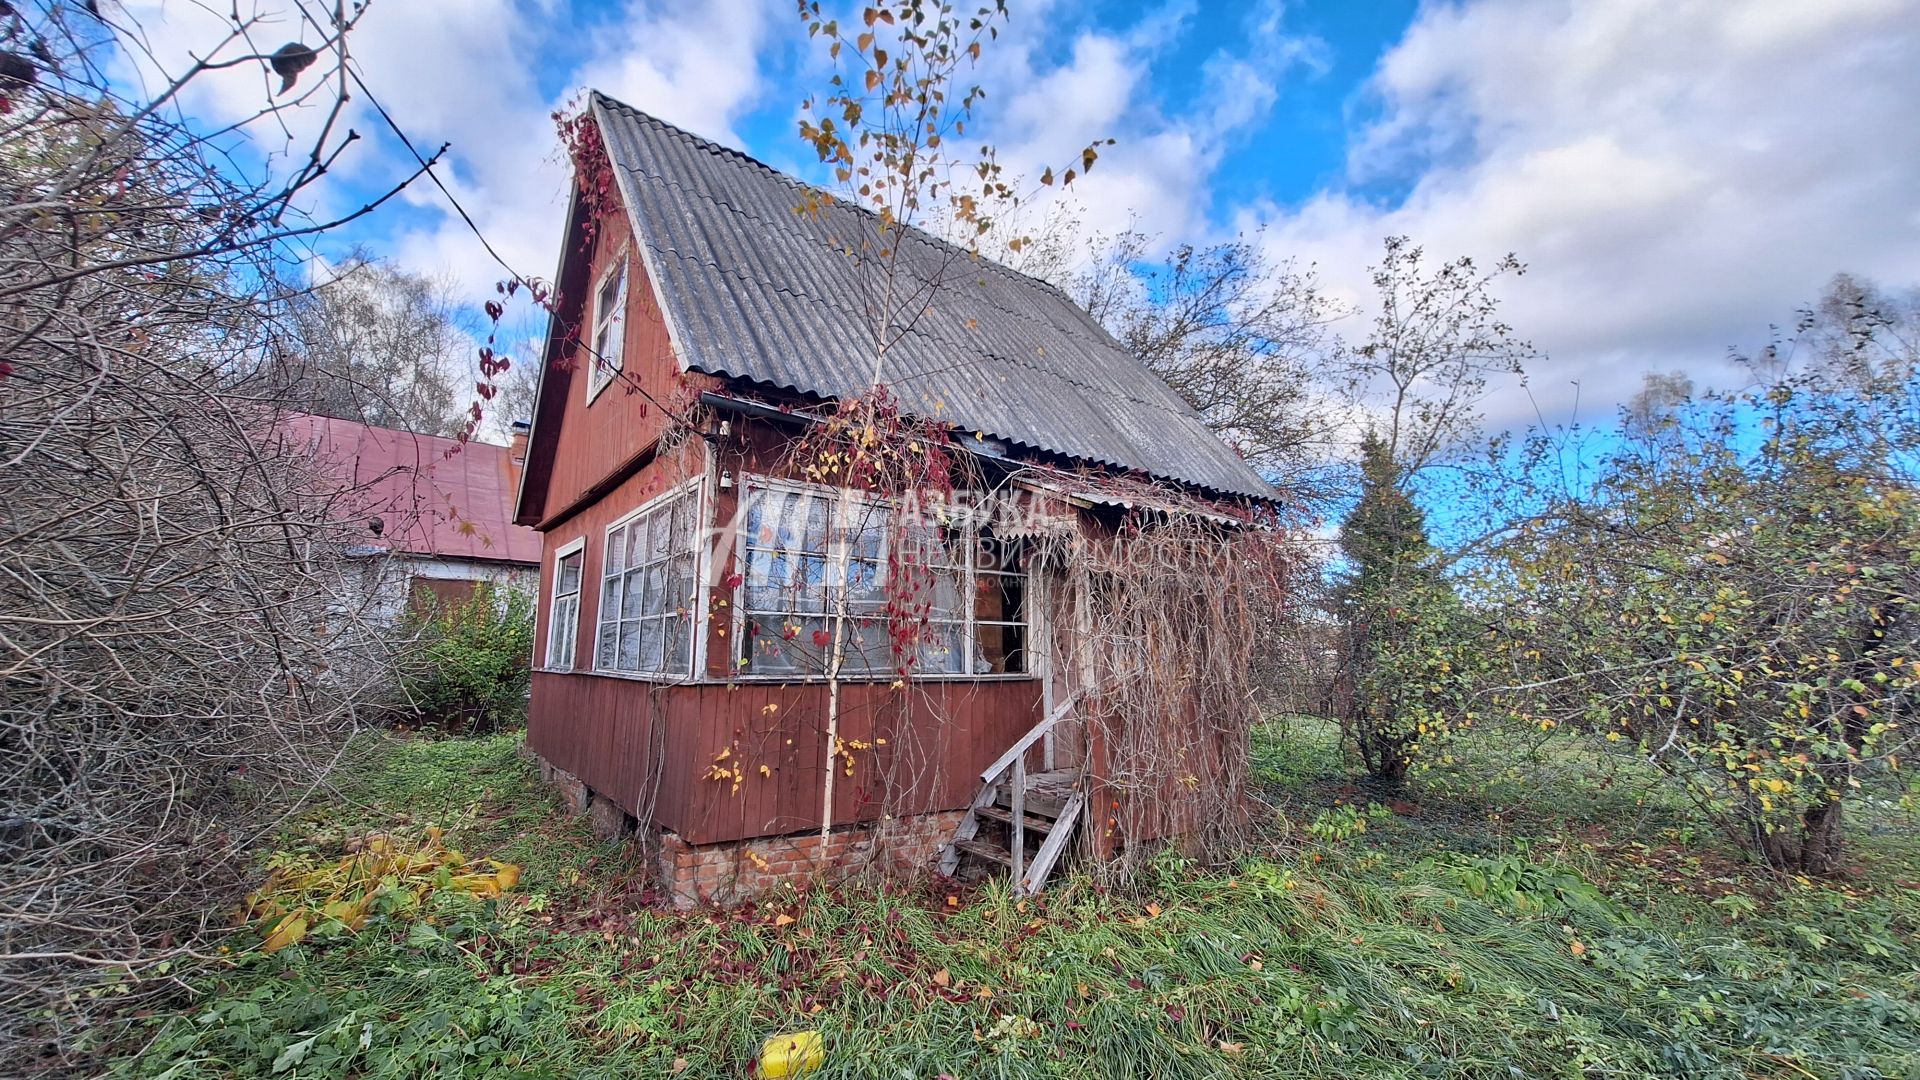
{"points": [[794, 1054]]}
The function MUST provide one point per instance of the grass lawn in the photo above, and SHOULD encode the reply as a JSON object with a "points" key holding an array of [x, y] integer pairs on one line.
{"points": [[1535, 911]]}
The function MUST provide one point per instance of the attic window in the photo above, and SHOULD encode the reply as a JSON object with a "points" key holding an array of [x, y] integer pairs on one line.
{"points": [[609, 327]]}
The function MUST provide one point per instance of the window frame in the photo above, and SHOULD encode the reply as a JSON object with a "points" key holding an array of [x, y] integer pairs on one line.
{"points": [[577, 546], [694, 491], [601, 375], [968, 586]]}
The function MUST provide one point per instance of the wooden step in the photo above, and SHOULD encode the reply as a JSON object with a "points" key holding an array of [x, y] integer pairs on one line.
{"points": [[1005, 817], [1047, 792], [986, 851], [1038, 805]]}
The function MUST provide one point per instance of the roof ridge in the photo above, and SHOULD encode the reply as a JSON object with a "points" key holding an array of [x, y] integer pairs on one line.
{"points": [[713, 145]]}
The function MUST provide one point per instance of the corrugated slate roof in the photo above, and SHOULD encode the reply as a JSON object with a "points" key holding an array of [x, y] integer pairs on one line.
{"points": [[434, 496], [755, 290]]}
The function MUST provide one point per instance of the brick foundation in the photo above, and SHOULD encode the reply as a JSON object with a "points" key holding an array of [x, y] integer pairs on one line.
{"points": [[608, 819], [575, 796], [738, 870], [727, 873]]}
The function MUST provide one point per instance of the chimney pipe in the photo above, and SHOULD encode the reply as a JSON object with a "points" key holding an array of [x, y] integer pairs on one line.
{"points": [[517, 453]]}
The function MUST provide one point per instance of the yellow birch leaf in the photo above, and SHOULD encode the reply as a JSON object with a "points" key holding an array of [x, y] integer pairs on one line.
{"points": [[291, 929]]}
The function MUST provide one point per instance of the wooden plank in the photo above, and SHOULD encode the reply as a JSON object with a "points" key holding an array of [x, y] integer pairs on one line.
{"points": [[969, 827], [1031, 820], [1056, 842], [1017, 838], [985, 850]]}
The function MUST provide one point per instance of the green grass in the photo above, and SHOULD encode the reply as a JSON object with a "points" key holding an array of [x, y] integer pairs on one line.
{"points": [[1519, 915]]}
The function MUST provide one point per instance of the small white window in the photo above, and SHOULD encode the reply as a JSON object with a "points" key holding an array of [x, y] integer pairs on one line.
{"points": [[563, 614], [605, 347], [648, 590]]}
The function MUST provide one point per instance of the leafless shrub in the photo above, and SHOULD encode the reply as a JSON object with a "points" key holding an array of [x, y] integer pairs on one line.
{"points": [[173, 599], [1172, 611]]}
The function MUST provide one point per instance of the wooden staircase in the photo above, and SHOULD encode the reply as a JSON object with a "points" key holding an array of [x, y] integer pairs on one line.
{"points": [[1020, 820]]}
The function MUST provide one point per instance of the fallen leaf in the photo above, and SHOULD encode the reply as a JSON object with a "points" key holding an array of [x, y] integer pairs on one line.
{"points": [[784, 920], [942, 978], [291, 929]]}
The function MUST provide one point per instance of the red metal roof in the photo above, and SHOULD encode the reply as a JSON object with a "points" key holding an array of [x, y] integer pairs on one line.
{"points": [[432, 495]]}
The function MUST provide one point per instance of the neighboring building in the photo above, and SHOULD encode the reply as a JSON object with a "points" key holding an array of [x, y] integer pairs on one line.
{"points": [[686, 570], [434, 515]]}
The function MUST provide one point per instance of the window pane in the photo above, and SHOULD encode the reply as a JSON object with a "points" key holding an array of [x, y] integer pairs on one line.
{"points": [[638, 543], [610, 599], [1001, 597], [616, 550], [569, 574], [869, 647], [609, 298], [941, 594], [780, 582], [681, 586], [866, 586], [811, 528], [656, 591], [659, 532], [998, 554], [652, 633], [605, 360], [781, 525], [678, 659], [608, 633], [865, 531], [760, 528], [560, 640], [1000, 648], [939, 652], [629, 658], [783, 645], [634, 606], [681, 527]]}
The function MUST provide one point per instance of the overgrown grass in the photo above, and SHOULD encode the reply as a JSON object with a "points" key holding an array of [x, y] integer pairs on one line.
{"points": [[1469, 931]]}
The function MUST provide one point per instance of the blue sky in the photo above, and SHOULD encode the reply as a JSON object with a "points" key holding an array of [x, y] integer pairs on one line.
{"points": [[1678, 174]]}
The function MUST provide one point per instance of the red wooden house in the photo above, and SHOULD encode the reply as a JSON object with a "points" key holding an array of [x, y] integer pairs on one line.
{"points": [[690, 575]]}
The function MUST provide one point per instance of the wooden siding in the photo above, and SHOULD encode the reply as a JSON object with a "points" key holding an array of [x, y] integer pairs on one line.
{"points": [[591, 523], [597, 437], [654, 749]]}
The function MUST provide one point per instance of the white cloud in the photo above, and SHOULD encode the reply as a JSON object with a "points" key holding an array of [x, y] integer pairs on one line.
{"points": [[696, 66], [1156, 176], [1678, 175]]}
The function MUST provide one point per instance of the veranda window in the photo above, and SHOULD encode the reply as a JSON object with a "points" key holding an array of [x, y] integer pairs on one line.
{"points": [[648, 591], [808, 550], [563, 614]]}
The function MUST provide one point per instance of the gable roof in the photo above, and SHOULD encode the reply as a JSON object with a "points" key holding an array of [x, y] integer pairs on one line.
{"points": [[434, 496], [753, 289]]}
